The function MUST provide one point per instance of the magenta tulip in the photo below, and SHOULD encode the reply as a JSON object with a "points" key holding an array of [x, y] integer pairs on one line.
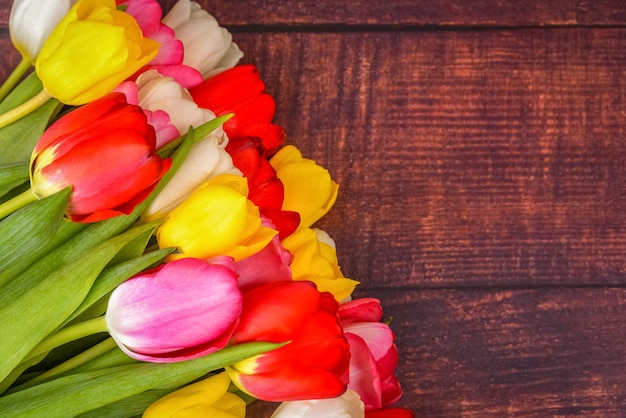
{"points": [[179, 311], [105, 150]]}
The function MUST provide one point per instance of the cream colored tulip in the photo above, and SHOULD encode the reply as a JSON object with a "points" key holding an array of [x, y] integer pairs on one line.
{"points": [[209, 48], [348, 405]]}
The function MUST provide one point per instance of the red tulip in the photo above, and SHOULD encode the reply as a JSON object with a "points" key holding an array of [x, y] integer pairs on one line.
{"points": [[389, 413], [266, 189], [240, 90], [313, 365], [374, 355], [105, 150]]}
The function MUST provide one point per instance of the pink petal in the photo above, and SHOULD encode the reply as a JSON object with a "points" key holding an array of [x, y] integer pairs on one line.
{"points": [[364, 378], [271, 264], [184, 75], [180, 311], [165, 131], [377, 335]]}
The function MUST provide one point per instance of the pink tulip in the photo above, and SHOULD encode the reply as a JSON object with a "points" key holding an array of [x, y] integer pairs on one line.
{"points": [[373, 353], [179, 311]]}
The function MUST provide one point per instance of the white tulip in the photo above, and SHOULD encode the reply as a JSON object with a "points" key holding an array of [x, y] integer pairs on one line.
{"points": [[348, 405], [209, 48], [32, 21]]}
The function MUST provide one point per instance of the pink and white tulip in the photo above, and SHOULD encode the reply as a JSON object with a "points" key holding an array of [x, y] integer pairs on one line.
{"points": [[209, 48], [373, 353], [348, 405], [179, 311], [169, 60]]}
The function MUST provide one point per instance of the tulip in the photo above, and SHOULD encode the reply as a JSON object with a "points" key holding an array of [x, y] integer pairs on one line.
{"points": [[309, 189], [208, 47], [92, 50], [179, 311], [217, 219], [105, 151], [157, 92], [348, 405], [374, 355], [206, 398], [266, 190], [313, 365], [390, 413], [169, 60], [241, 91], [315, 259]]}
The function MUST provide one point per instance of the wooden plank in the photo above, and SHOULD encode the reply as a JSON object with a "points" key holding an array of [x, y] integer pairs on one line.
{"points": [[523, 353], [464, 158], [417, 13], [407, 12]]}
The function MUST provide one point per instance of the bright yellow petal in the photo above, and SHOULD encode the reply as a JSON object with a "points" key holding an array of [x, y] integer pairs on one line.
{"points": [[309, 189]]}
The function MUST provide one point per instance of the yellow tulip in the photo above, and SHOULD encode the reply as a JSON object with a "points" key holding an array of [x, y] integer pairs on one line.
{"points": [[217, 219], [315, 259], [207, 398], [93, 49], [309, 189]]}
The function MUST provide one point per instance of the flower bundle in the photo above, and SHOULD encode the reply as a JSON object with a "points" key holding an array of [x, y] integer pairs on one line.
{"points": [[158, 249]]}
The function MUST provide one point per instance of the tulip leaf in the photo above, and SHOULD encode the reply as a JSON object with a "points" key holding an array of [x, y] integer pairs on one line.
{"points": [[129, 407], [26, 232], [12, 175], [31, 310], [83, 392], [18, 139], [111, 277]]}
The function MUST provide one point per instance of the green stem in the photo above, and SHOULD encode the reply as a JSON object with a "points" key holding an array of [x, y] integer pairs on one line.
{"points": [[78, 360], [24, 109], [69, 334], [14, 77], [17, 202]]}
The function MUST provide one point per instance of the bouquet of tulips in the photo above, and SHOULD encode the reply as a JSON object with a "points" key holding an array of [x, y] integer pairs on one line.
{"points": [[157, 251]]}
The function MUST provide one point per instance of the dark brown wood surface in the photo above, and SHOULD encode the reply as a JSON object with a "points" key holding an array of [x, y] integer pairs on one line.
{"points": [[480, 149]]}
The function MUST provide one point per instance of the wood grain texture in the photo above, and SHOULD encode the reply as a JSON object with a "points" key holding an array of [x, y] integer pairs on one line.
{"points": [[464, 158], [405, 13]]}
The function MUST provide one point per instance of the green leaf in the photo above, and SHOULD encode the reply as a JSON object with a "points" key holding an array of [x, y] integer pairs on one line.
{"points": [[80, 393], [12, 175], [18, 139], [111, 277], [129, 407], [26, 232], [31, 310]]}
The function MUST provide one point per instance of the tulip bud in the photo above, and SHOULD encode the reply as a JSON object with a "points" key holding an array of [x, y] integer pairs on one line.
{"points": [[374, 355], [179, 311], [93, 49], [314, 363], [217, 219], [348, 405], [208, 47], [96, 149]]}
